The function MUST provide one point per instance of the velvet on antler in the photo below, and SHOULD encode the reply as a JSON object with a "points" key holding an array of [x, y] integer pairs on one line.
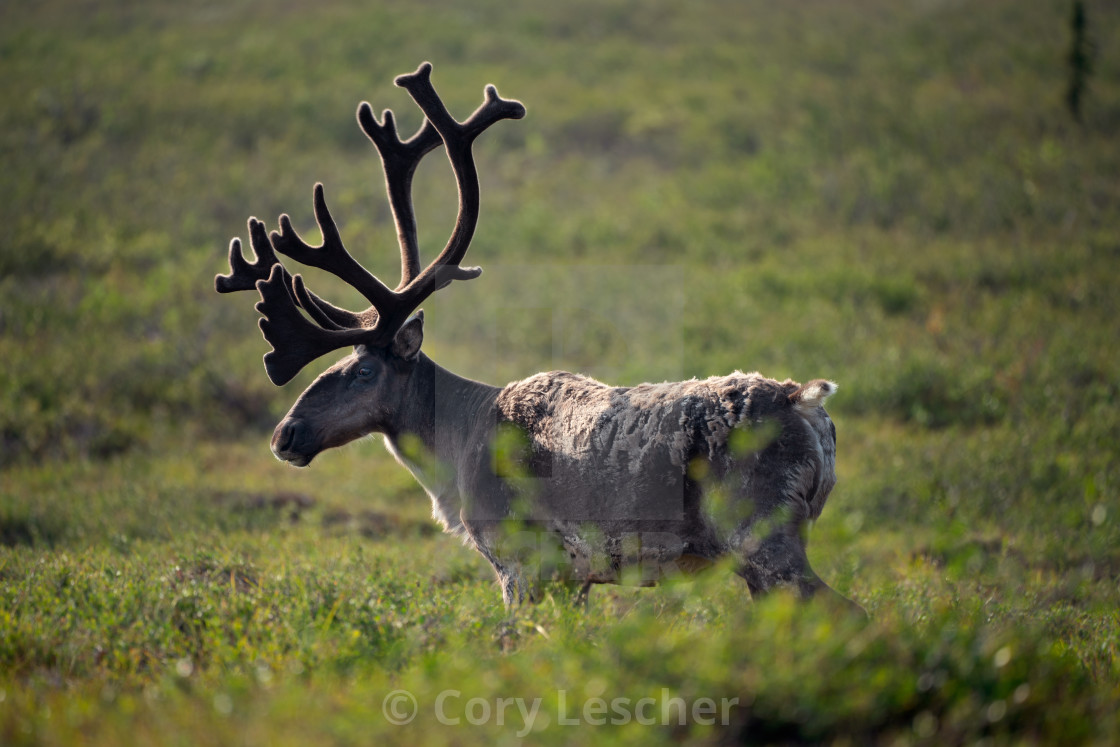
{"points": [[297, 339]]}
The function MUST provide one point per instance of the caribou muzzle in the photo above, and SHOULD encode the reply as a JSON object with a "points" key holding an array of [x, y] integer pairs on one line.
{"points": [[294, 442]]}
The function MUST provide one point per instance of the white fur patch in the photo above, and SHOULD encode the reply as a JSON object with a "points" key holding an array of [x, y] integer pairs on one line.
{"points": [[814, 394]]}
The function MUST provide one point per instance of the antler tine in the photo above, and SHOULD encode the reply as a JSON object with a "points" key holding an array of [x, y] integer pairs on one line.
{"points": [[399, 160], [295, 340], [244, 275], [327, 314], [458, 139], [331, 255]]}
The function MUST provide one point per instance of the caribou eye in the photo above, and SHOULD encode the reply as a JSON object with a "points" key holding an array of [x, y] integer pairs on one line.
{"points": [[363, 372]]}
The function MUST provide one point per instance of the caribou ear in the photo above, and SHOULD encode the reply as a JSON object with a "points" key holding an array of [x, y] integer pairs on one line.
{"points": [[406, 343]]}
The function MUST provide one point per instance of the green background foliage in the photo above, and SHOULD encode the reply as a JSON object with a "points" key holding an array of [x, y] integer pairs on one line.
{"points": [[889, 195]]}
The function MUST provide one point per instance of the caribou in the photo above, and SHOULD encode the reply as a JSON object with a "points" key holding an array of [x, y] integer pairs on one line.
{"points": [[631, 483]]}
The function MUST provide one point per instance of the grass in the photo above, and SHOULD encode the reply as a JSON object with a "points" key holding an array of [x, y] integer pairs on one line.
{"points": [[892, 197]]}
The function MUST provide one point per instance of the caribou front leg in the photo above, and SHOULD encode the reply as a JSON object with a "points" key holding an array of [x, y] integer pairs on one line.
{"points": [[776, 560], [488, 536], [779, 560]]}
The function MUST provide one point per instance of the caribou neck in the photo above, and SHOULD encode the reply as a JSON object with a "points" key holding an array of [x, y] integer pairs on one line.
{"points": [[448, 413]]}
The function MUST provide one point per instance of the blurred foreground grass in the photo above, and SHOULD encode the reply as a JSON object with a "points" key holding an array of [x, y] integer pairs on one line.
{"points": [[892, 197]]}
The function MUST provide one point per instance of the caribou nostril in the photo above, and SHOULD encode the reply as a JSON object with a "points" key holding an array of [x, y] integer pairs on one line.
{"points": [[285, 436]]}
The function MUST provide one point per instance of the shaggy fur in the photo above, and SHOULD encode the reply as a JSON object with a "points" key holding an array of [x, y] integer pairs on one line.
{"points": [[620, 474]]}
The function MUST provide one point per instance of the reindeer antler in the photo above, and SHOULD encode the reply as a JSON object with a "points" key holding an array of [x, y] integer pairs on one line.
{"points": [[295, 340], [245, 274]]}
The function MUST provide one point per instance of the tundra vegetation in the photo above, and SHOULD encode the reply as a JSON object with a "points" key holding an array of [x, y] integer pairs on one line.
{"points": [[891, 196]]}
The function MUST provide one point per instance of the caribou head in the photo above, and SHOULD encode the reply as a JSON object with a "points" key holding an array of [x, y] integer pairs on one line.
{"points": [[366, 391]]}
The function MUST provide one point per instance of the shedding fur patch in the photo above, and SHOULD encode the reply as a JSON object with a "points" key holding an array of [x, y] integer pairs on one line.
{"points": [[813, 394]]}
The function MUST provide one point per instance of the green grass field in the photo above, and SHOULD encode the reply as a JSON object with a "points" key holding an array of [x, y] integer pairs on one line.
{"points": [[892, 196]]}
